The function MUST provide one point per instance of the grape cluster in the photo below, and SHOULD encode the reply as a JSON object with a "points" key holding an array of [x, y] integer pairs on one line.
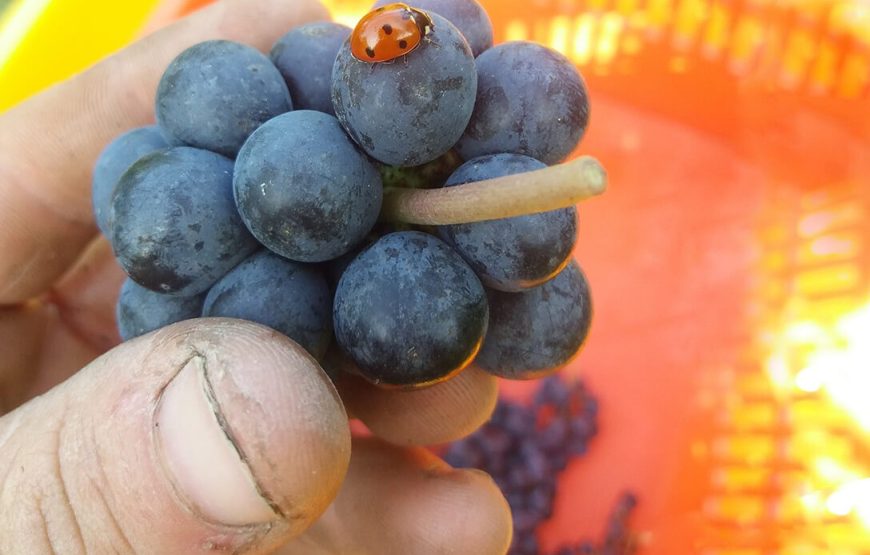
{"points": [[264, 193], [525, 447]]}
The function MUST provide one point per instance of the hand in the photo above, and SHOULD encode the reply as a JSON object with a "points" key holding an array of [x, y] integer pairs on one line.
{"points": [[207, 436]]}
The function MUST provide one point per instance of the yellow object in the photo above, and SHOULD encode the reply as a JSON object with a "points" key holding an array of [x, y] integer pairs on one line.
{"points": [[46, 41]]}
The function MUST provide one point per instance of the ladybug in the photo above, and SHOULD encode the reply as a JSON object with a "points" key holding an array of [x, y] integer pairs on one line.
{"points": [[389, 32]]}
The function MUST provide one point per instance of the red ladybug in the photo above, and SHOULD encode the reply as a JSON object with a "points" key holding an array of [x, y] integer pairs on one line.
{"points": [[389, 32]]}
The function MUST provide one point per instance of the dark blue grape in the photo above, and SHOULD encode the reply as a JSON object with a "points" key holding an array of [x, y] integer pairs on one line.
{"points": [[141, 310], [553, 392], [304, 190], [305, 57], [518, 420], [175, 227], [548, 486], [525, 544], [468, 16], [541, 501], [517, 499], [591, 405], [335, 268], [497, 441], [526, 521], [464, 454], [581, 429], [533, 333], [530, 100], [215, 93], [412, 110], [512, 254], [409, 311], [554, 435], [115, 159], [535, 463], [287, 296]]}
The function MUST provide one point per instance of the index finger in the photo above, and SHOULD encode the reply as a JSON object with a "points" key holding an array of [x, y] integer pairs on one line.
{"points": [[48, 144]]}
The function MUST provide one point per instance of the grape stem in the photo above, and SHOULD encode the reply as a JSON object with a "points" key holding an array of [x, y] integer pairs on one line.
{"points": [[503, 197]]}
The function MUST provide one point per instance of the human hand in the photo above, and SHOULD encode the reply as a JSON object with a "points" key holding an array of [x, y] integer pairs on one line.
{"points": [[210, 435]]}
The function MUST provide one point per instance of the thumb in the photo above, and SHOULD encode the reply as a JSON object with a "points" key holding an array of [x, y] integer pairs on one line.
{"points": [[212, 435]]}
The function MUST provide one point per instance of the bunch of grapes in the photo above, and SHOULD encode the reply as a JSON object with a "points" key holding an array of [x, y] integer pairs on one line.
{"points": [[390, 196], [525, 448]]}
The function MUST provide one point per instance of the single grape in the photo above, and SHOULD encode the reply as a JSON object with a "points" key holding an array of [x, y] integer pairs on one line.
{"points": [[305, 57], [215, 93], [287, 296], [141, 310], [411, 110], [512, 254], [468, 16], [530, 100], [303, 188], [533, 333], [409, 311], [175, 227], [114, 161]]}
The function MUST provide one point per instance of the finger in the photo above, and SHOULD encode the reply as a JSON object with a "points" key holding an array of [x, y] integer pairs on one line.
{"points": [[21, 332], [398, 501], [443, 412], [48, 144], [213, 435], [87, 294], [46, 341]]}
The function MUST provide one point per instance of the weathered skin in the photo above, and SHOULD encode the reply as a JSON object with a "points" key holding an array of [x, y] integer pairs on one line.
{"points": [[303, 188], [533, 333], [214, 94], [409, 311], [287, 296], [305, 57], [141, 310], [512, 254], [115, 159], [175, 228], [467, 15], [413, 109], [530, 100]]}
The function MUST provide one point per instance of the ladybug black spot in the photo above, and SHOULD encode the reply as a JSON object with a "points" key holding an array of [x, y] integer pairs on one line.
{"points": [[388, 29], [403, 44], [369, 52]]}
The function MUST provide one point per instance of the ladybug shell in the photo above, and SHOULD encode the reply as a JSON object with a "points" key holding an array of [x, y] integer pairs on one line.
{"points": [[389, 32]]}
